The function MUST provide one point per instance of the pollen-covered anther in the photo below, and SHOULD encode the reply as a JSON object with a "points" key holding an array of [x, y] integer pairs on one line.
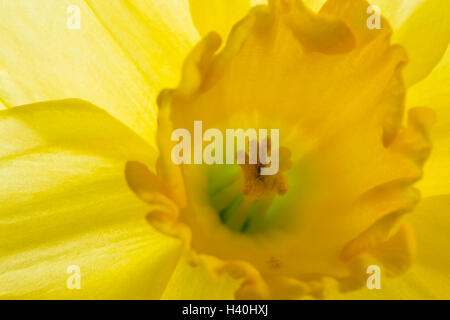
{"points": [[258, 186]]}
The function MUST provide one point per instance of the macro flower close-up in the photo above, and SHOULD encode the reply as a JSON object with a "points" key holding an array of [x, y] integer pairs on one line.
{"points": [[225, 149]]}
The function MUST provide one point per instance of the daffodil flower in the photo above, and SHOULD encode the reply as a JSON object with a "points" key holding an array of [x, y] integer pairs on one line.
{"points": [[87, 178]]}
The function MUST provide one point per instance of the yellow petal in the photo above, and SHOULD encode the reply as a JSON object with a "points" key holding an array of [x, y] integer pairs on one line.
{"points": [[433, 92], [425, 35], [124, 259], [217, 15], [257, 2], [65, 203], [119, 59], [428, 278], [188, 282], [71, 123], [156, 35], [396, 11], [431, 222]]}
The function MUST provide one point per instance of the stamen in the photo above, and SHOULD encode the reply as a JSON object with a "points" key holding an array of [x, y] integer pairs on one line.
{"points": [[259, 217], [221, 199], [257, 186], [241, 214]]}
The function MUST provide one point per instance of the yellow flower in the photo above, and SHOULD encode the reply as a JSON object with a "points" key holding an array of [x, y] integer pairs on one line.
{"points": [[334, 87]]}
